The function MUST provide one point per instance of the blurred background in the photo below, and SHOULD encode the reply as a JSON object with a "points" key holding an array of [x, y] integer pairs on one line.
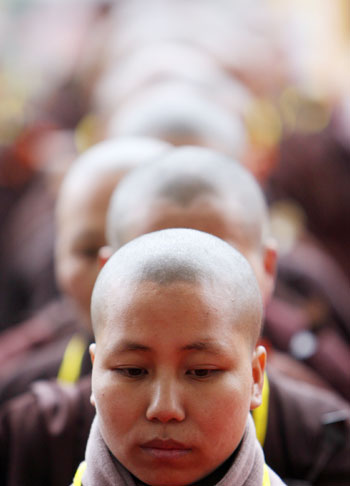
{"points": [[276, 73], [266, 82]]}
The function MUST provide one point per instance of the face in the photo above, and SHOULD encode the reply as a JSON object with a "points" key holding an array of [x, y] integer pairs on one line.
{"points": [[222, 218], [80, 234], [173, 380]]}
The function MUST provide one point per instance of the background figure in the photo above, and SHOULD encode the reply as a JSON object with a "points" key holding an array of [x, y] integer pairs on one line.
{"points": [[268, 84], [63, 327]]}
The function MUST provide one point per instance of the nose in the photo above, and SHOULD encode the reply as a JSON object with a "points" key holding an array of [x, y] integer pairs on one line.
{"points": [[165, 404]]}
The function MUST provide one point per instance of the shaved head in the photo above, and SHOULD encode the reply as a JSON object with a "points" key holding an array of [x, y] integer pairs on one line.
{"points": [[101, 167], [118, 154], [185, 177], [182, 116], [82, 207], [179, 255]]}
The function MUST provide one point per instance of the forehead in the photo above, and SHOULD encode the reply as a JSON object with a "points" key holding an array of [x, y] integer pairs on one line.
{"points": [[172, 314]]}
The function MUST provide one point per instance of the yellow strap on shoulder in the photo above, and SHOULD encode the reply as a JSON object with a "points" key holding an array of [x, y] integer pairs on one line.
{"points": [[70, 368], [266, 477], [260, 414], [77, 481]]}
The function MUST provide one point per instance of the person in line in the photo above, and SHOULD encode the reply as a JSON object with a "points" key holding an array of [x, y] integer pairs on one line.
{"points": [[177, 366], [54, 343]]}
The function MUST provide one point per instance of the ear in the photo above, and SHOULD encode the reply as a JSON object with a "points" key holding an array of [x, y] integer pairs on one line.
{"points": [[270, 265], [92, 349], [258, 369], [104, 253]]}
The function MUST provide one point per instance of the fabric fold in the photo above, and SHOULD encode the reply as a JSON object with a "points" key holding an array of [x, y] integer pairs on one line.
{"points": [[104, 470]]}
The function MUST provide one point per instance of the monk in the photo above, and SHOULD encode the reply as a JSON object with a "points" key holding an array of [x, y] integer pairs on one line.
{"points": [[176, 366]]}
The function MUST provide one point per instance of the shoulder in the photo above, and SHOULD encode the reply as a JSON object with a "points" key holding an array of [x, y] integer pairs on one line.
{"points": [[59, 420]]}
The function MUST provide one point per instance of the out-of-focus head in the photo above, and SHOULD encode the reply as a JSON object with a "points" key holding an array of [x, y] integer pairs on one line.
{"points": [[181, 115], [176, 316], [155, 63], [220, 29], [81, 210], [197, 188]]}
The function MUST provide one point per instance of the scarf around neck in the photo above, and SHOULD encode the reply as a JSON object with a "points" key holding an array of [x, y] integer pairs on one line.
{"points": [[103, 470]]}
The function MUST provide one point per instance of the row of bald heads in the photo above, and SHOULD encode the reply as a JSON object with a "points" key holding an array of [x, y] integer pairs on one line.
{"points": [[169, 78], [162, 172], [151, 173], [187, 72]]}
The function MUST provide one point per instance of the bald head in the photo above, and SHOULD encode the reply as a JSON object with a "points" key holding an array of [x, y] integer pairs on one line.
{"points": [[186, 177], [179, 255], [117, 154], [81, 211], [181, 115], [100, 168]]}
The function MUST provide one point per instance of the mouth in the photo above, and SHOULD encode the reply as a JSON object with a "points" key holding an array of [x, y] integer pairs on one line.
{"points": [[165, 449]]}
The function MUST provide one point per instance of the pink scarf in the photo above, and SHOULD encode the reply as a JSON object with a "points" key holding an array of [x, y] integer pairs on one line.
{"points": [[246, 470]]}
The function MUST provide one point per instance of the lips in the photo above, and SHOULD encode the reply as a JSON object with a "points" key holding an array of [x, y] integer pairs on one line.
{"points": [[165, 449]]}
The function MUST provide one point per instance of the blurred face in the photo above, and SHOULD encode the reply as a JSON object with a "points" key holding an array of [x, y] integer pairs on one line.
{"points": [[80, 234], [173, 380], [212, 215]]}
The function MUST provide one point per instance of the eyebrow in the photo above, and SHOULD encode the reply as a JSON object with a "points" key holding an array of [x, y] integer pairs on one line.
{"points": [[209, 346], [125, 346]]}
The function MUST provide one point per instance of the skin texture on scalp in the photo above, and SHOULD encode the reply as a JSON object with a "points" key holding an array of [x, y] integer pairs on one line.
{"points": [[182, 255]]}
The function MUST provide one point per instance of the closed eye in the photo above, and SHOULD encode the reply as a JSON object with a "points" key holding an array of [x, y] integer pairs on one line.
{"points": [[202, 373], [89, 253], [132, 372]]}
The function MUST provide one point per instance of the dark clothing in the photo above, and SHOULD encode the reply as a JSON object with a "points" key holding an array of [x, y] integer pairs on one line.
{"points": [[314, 172], [56, 320], [309, 315], [15, 176], [27, 279], [41, 356], [295, 436], [43, 433], [36, 366]]}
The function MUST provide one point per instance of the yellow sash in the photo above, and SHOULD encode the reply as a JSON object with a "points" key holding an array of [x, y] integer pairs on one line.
{"points": [[70, 368], [79, 474], [260, 414], [266, 477]]}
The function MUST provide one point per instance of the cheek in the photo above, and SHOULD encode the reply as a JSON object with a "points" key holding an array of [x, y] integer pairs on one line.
{"points": [[225, 413], [119, 411]]}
